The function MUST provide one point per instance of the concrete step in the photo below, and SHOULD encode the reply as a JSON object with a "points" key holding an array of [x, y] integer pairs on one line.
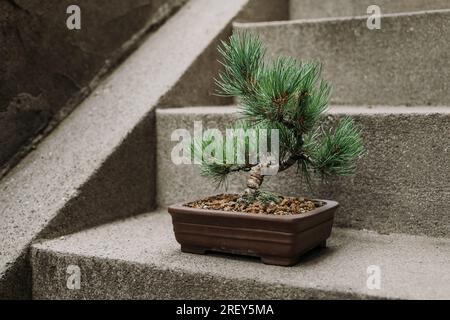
{"points": [[406, 62], [309, 9], [402, 184], [139, 259]]}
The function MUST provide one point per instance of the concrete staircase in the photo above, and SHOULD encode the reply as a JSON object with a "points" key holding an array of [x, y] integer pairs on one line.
{"points": [[395, 86], [139, 259]]}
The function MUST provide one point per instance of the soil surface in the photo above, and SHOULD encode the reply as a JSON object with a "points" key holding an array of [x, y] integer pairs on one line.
{"points": [[229, 202]]}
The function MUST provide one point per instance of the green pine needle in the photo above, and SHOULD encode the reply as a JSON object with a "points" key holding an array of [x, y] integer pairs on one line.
{"points": [[287, 95], [336, 151]]}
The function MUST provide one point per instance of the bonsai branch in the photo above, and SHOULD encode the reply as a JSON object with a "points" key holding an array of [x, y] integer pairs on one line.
{"points": [[293, 160]]}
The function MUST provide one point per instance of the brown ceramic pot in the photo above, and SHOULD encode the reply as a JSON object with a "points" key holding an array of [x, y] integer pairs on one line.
{"points": [[277, 240]]}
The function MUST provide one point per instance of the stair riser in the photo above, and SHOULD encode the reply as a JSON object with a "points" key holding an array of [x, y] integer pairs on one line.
{"points": [[401, 185], [113, 279], [406, 62], [309, 9]]}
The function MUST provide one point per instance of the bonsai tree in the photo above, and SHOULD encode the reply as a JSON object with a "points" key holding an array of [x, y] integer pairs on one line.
{"points": [[287, 95]]}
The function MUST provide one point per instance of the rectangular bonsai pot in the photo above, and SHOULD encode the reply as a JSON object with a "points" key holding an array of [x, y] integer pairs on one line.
{"points": [[277, 240]]}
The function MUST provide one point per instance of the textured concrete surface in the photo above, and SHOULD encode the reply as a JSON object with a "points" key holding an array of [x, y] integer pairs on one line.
{"points": [[406, 62], [140, 259], [197, 87], [46, 69], [308, 9], [264, 10], [402, 184], [98, 165]]}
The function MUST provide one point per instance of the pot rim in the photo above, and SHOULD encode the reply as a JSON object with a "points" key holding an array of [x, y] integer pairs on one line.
{"points": [[180, 208]]}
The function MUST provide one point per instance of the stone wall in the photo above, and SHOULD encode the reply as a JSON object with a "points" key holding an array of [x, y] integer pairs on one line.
{"points": [[47, 69]]}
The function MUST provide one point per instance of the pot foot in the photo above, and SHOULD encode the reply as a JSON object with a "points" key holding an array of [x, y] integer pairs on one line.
{"points": [[195, 250], [323, 244], [279, 261]]}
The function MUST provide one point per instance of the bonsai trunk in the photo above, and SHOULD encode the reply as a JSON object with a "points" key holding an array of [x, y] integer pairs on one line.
{"points": [[254, 181]]}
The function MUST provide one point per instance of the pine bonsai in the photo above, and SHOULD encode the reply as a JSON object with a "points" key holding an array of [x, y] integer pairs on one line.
{"points": [[287, 95]]}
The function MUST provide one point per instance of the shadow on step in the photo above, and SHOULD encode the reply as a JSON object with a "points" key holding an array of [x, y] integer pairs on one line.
{"points": [[312, 257]]}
